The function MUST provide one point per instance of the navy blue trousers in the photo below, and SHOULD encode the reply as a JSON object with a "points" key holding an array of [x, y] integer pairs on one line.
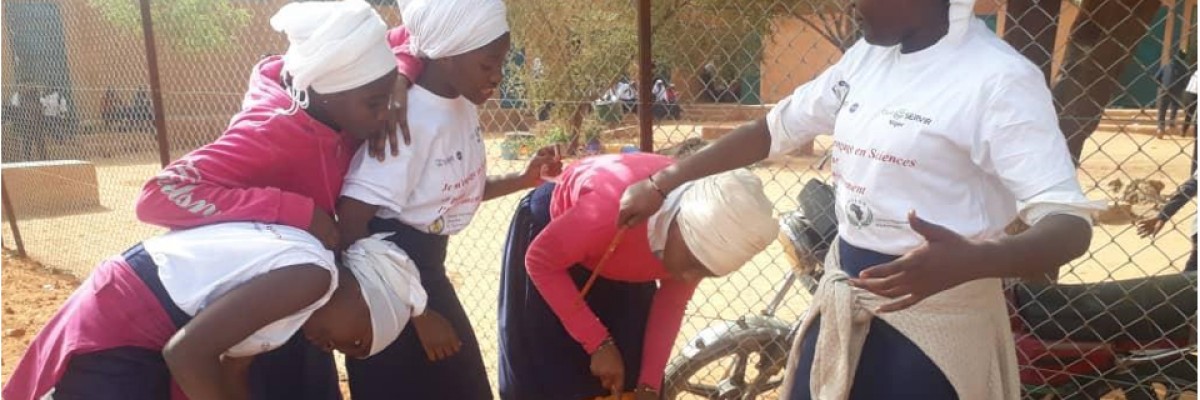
{"points": [[403, 370], [538, 358]]}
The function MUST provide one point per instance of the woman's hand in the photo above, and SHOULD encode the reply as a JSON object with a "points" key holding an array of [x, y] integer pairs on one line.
{"points": [[324, 229], [945, 260], [437, 335], [545, 163], [398, 111], [608, 366], [640, 201], [1150, 226]]}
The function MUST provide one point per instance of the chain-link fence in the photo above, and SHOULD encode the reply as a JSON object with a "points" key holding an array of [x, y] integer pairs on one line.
{"points": [[80, 141]]}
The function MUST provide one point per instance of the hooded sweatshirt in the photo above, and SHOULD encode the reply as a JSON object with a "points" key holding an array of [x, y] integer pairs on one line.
{"points": [[268, 166]]}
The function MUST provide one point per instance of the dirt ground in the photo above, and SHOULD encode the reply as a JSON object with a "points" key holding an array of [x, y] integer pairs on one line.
{"points": [[74, 243], [32, 294]]}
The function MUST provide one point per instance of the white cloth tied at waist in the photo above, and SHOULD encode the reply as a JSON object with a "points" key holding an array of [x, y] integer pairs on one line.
{"points": [[964, 330]]}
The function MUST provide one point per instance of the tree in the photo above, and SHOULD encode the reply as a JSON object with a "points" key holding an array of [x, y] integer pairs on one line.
{"points": [[190, 25], [833, 20], [584, 47]]}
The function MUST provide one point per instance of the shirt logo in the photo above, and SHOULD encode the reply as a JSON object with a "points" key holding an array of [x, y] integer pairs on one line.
{"points": [[841, 90], [897, 118], [859, 213], [853, 108], [442, 162], [437, 226]]}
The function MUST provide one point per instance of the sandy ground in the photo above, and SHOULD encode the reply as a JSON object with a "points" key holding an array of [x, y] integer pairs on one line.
{"points": [[74, 243], [32, 294]]}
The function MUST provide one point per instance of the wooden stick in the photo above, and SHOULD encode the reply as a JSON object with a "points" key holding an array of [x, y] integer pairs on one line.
{"points": [[612, 247]]}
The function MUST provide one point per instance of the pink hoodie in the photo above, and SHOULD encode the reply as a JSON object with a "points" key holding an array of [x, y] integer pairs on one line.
{"points": [[267, 166]]}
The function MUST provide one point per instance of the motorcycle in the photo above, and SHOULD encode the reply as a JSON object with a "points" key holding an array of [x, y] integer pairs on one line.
{"points": [[1074, 341]]}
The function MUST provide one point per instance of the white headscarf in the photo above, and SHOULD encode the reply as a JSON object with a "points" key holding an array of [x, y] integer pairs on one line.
{"points": [[390, 285], [725, 220], [962, 12], [445, 28], [333, 46]]}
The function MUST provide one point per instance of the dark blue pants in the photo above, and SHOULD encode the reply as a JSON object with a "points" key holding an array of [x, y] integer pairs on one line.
{"points": [[403, 370], [297, 370], [538, 358], [122, 373], [891, 367]]}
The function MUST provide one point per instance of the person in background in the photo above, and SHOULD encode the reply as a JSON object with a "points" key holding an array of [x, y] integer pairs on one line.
{"points": [[430, 191], [1173, 78], [942, 135], [110, 108], [1150, 227], [54, 114], [30, 126]]}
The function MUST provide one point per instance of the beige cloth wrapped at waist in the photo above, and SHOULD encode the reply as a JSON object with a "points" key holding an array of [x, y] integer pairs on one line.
{"points": [[964, 330]]}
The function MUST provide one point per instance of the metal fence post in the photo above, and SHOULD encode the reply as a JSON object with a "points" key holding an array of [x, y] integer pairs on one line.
{"points": [[160, 123], [12, 220], [645, 75]]}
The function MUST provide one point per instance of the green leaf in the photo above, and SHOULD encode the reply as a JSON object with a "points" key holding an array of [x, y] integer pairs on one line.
{"points": [[189, 25]]}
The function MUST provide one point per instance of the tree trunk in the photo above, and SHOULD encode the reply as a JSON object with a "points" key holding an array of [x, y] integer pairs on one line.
{"points": [[1099, 49]]}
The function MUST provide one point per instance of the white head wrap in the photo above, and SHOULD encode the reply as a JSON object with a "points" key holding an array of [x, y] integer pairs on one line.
{"points": [[962, 12], [446, 28], [333, 46], [725, 220], [390, 285]]}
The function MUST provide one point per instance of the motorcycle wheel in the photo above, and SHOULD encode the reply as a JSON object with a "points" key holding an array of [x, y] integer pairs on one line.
{"points": [[1175, 380], [741, 361]]}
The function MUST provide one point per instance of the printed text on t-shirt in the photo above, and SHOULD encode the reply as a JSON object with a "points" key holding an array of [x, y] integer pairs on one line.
{"points": [[873, 154]]}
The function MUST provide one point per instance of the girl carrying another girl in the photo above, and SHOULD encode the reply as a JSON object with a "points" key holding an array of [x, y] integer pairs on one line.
{"points": [[285, 154]]}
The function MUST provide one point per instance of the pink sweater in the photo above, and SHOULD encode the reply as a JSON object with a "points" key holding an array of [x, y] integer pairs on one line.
{"points": [[583, 212], [112, 308], [266, 167]]}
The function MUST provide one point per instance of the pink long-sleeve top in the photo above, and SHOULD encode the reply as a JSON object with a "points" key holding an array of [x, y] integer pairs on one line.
{"points": [[267, 166], [583, 212]]}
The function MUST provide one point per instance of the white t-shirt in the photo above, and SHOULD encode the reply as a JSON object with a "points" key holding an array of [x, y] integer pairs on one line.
{"points": [[1193, 85], [51, 106], [199, 265], [962, 132], [436, 183]]}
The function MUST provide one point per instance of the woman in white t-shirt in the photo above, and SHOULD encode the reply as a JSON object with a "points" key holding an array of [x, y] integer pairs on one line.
{"points": [[933, 116], [183, 314], [432, 190]]}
